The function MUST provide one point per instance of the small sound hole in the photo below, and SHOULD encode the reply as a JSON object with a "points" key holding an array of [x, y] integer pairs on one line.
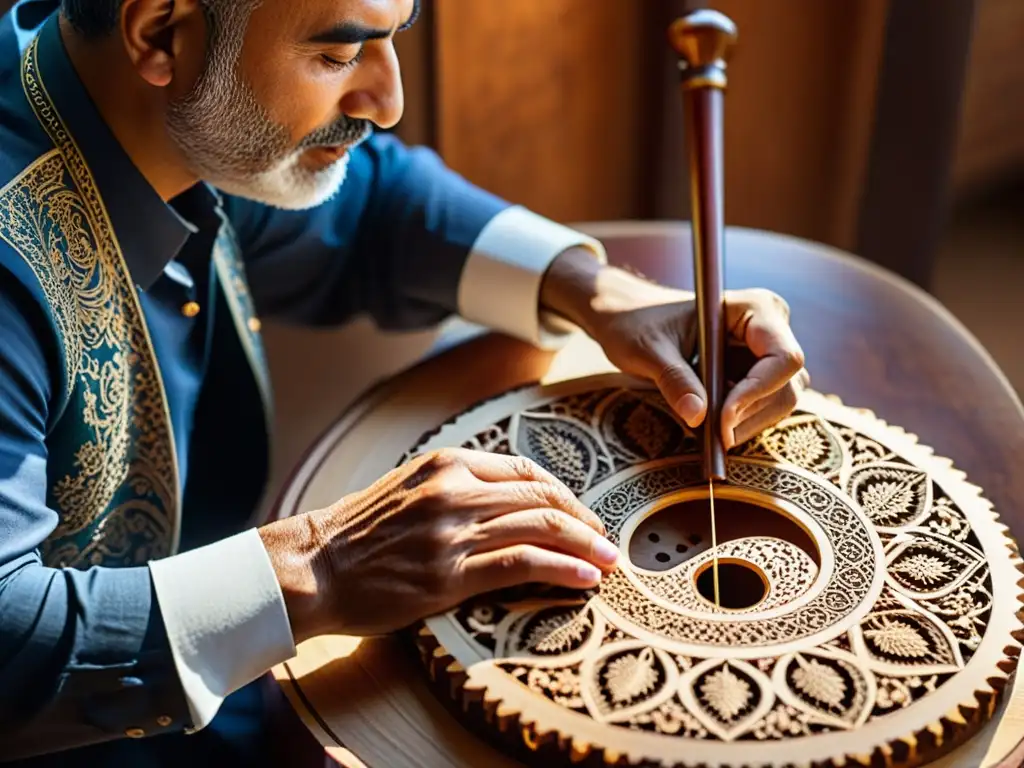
{"points": [[740, 585]]}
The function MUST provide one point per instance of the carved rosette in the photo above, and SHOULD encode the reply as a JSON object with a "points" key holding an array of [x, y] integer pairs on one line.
{"points": [[887, 646]]}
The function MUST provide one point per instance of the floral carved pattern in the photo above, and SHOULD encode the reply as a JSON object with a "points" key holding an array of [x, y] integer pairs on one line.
{"points": [[910, 579]]}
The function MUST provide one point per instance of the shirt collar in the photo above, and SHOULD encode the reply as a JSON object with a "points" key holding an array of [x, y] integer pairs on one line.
{"points": [[150, 231]]}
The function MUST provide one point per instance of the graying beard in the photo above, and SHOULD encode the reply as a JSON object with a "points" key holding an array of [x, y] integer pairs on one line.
{"points": [[220, 123]]}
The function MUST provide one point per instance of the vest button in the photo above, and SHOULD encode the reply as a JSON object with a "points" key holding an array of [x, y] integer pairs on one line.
{"points": [[163, 721], [254, 324], [134, 733], [190, 309]]}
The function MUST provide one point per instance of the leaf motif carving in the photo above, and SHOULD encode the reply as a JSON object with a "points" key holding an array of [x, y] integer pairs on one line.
{"points": [[926, 565], [727, 697], [626, 678], [888, 501], [566, 449], [804, 445], [806, 441], [725, 693], [892, 495], [897, 638], [640, 427], [555, 634], [822, 683], [631, 676], [924, 568], [906, 641], [829, 684], [647, 431]]}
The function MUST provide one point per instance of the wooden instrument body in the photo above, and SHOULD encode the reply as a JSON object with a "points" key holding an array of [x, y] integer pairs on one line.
{"points": [[869, 338]]}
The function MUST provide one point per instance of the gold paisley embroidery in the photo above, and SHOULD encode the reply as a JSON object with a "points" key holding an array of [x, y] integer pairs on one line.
{"points": [[31, 232], [118, 501]]}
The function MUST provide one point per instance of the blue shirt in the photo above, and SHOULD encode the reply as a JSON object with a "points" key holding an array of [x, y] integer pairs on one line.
{"points": [[83, 653]]}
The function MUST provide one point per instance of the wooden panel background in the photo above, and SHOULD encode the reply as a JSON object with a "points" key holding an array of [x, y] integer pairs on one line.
{"points": [[561, 105], [542, 101], [991, 147]]}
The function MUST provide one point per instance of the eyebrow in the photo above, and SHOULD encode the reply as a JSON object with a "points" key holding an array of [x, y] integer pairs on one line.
{"points": [[349, 33]]}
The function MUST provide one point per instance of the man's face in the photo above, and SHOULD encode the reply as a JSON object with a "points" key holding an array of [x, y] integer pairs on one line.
{"points": [[286, 91]]}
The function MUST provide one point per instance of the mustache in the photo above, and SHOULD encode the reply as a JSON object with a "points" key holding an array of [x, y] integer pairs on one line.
{"points": [[345, 130]]}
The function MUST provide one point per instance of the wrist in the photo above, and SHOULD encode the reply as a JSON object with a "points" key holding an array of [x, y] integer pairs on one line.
{"points": [[292, 547], [585, 292]]}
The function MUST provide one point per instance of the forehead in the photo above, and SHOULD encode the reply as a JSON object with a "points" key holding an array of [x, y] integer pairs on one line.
{"points": [[302, 19]]}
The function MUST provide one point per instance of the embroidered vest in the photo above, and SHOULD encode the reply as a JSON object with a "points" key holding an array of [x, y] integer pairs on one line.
{"points": [[111, 464]]}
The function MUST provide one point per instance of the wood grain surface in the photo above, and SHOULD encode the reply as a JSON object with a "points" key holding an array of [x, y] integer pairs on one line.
{"points": [[875, 341]]}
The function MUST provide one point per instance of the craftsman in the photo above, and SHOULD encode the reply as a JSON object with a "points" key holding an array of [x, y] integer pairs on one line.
{"points": [[171, 171]]}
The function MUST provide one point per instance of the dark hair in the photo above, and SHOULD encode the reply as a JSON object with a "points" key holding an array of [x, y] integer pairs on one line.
{"points": [[92, 18]]}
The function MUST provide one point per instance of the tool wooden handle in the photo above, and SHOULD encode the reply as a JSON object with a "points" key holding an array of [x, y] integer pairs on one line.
{"points": [[703, 39]]}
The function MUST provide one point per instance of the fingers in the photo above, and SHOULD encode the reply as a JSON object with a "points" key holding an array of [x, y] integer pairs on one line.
{"points": [[516, 483], [682, 390], [498, 467], [504, 498], [780, 360], [764, 413], [524, 564], [549, 529], [679, 383]]}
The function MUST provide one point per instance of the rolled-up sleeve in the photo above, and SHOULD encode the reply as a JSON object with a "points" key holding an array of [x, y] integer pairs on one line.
{"points": [[408, 242]]}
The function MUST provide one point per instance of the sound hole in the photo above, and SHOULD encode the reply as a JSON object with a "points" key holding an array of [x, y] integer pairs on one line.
{"points": [[679, 532], [740, 585]]}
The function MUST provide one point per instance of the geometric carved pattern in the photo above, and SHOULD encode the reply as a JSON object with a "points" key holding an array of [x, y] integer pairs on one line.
{"points": [[895, 628]]}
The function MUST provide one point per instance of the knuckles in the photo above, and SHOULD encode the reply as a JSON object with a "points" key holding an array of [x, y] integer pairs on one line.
{"points": [[524, 468], [794, 360], [440, 493], [513, 560], [762, 301], [440, 481], [552, 521], [438, 461]]}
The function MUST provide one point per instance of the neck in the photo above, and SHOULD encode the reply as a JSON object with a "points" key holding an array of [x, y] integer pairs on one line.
{"points": [[130, 110]]}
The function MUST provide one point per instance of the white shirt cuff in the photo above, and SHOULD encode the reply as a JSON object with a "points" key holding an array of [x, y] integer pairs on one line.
{"points": [[225, 617], [500, 283]]}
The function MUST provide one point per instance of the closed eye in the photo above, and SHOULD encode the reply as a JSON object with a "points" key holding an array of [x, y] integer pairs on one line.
{"points": [[334, 63]]}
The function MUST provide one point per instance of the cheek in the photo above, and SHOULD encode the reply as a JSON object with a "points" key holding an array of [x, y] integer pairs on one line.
{"points": [[299, 95], [190, 62]]}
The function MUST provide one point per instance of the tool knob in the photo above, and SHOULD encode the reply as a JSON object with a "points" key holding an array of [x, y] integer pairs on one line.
{"points": [[704, 40]]}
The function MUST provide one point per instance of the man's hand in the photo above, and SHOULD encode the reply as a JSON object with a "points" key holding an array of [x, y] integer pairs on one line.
{"points": [[650, 331], [427, 536]]}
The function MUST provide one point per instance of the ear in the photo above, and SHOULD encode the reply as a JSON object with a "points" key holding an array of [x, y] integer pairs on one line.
{"points": [[151, 30]]}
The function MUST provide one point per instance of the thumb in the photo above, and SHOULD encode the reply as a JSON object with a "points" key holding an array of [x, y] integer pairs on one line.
{"points": [[680, 386]]}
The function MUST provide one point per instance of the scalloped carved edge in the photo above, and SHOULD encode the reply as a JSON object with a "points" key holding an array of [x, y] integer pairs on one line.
{"points": [[915, 749]]}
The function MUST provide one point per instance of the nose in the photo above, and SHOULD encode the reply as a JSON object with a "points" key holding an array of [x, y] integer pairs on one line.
{"points": [[376, 90]]}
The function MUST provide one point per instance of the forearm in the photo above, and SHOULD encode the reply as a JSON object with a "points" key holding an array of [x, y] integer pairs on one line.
{"points": [[585, 291]]}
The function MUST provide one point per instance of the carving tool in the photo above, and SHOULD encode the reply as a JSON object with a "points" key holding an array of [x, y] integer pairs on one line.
{"points": [[703, 40]]}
